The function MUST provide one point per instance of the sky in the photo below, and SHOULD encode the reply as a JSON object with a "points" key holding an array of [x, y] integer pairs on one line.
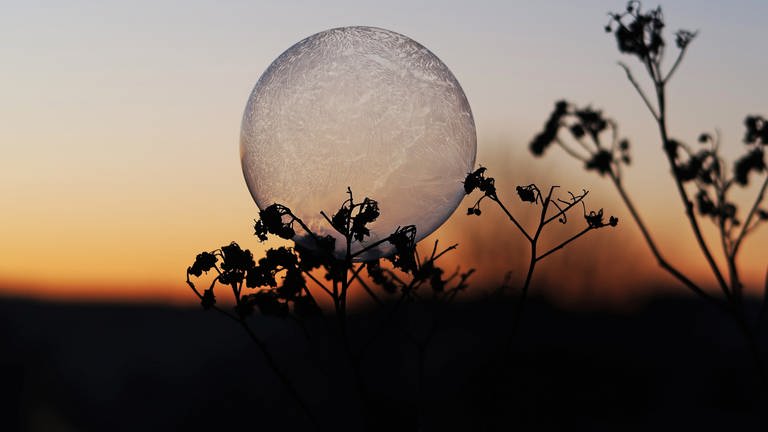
{"points": [[120, 121]]}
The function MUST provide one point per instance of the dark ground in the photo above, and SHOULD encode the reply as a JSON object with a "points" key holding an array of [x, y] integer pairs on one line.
{"points": [[677, 364]]}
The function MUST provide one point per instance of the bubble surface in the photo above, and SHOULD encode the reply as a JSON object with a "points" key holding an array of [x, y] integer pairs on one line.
{"points": [[364, 108]]}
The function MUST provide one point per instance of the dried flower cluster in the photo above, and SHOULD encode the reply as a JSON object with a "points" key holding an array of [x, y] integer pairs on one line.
{"points": [[702, 178], [550, 207], [277, 284]]}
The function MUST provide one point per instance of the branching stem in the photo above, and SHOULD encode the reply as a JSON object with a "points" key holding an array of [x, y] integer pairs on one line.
{"points": [[663, 263], [639, 91], [752, 212], [662, 124], [495, 199], [271, 362]]}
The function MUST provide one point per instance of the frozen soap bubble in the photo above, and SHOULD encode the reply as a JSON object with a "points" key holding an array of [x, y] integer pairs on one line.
{"points": [[364, 108]]}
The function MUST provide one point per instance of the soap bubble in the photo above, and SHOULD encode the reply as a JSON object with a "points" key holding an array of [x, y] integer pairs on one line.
{"points": [[364, 108]]}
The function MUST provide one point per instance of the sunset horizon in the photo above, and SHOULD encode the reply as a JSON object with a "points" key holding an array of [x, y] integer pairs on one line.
{"points": [[143, 184], [383, 216]]}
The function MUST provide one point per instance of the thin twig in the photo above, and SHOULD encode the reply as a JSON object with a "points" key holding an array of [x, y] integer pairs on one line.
{"points": [[355, 273], [571, 151], [639, 91], [516, 317], [764, 305], [495, 199], [752, 213], [303, 226], [562, 245], [405, 292], [368, 290], [284, 380], [446, 250], [371, 246], [674, 66], [730, 258], [280, 375], [567, 208], [662, 124], [663, 263], [320, 284]]}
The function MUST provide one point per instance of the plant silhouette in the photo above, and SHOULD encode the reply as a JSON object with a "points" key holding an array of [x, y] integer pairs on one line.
{"points": [[287, 282], [700, 175], [551, 209], [277, 284]]}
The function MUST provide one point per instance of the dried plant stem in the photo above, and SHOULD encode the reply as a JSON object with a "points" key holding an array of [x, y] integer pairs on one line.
{"points": [[318, 283], [284, 380], [730, 258], [405, 291], [662, 124], [495, 199], [520, 305], [672, 70], [563, 244], [535, 257], [733, 291], [341, 286], [663, 263], [750, 217], [640, 91], [660, 118], [764, 305], [271, 362]]}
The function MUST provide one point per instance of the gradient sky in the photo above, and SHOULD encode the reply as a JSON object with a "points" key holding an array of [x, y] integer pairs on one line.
{"points": [[119, 127]]}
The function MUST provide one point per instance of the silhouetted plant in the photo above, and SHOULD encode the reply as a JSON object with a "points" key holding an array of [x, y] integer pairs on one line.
{"points": [[277, 286], [235, 267], [551, 209], [700, 174]]}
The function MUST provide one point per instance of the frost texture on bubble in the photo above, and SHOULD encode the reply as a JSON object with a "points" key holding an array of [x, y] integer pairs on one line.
{"points": [[366, 108]]}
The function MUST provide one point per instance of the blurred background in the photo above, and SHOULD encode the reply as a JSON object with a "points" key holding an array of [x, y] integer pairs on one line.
{"points": [[119, 125], [119, 130]]}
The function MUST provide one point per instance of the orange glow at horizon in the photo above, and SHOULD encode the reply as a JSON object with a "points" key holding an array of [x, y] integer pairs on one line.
{"points": [[120, 156], [610, 267]]}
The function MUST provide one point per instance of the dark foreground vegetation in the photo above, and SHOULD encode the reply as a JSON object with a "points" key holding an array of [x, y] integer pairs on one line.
{"points": [[674, 364]]}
